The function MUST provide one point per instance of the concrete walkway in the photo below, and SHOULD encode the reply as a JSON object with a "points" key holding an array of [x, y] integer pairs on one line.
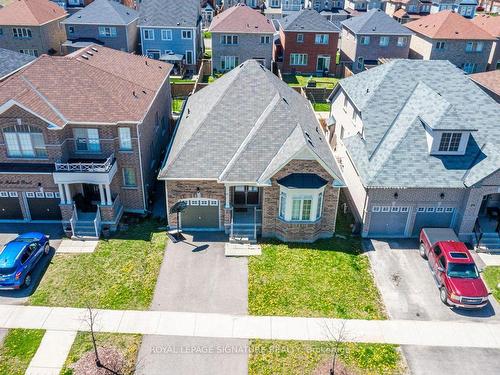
{"points": [[68, 246], [51, 354], [168, 323]]}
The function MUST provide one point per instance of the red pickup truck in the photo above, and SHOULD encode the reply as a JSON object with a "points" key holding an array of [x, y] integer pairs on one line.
{"points": [[453, 268]]}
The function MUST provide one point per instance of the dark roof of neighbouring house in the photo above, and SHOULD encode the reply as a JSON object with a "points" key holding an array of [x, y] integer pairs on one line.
{"points": [[103, 12], [448, 25], [92, 85], [169, 13], [396, 101], [241, 19], [307, 20], [10, 61], [30, 12], [302, 181], [375, 21], [243, 128], [489, 80]]}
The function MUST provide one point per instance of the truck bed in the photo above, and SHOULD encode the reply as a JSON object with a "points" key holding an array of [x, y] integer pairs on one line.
{"points": [[440, 234]]}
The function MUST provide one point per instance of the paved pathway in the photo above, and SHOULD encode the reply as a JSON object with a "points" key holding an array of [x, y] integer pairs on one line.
{"points": [[169, 323], [77, 246], [51, 354], [196, 277]]}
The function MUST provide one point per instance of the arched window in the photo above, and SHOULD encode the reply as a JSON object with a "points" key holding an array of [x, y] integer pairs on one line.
{"points": [[24, 141]]}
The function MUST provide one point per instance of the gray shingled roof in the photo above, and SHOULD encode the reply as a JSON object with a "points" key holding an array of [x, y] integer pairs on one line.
{"points": [[186, 13], [10, 61], [243, 128], [375, 21], [396, 101], [307, 20], [103, 12]]}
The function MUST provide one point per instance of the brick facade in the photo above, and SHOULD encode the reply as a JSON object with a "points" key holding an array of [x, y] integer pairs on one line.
{"points": [[290, 45]]}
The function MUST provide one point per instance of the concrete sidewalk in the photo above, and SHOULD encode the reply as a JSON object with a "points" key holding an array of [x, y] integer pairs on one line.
{"points": [[167, 323], [51, 354]]}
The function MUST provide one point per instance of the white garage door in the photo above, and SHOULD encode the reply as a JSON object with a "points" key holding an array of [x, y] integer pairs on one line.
{"points": [[388, 221], [432, 217]]}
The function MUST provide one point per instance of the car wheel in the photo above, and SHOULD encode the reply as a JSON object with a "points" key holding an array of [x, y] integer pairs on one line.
{"points": [[421, 250], [27, 281], [46, 249], [443, 295]]}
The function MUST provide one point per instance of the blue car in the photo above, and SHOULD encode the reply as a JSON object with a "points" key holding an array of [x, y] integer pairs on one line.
{"points": [[19, 257]]}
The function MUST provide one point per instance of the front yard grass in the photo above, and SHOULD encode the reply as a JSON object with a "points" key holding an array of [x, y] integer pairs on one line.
{"points": [[492, 278], [19, 347], [127, 345], [301, 81], [120, 274], [302, 357]]}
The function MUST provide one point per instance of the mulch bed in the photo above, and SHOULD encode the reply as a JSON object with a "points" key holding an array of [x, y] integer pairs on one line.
{"points": [[111, 358], [325, 366]]}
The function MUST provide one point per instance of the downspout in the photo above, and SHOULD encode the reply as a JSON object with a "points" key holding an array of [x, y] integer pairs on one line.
{"points": [[140, 162], [364, 213]]}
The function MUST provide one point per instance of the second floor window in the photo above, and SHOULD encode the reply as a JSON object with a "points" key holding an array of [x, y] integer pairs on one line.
{"points": [[384, 41], [149, 34], [166, 34], [125, 139], [21, 32], [474, 46], [440, 45], [321, 39], [71, 29], [300, 38], [364, 40], [229, 39], [87, 140], [187, 34], [298, 59], [265, 39], [402, 41], [30, 52], [106, 31], [450, 142], [24, 141]]}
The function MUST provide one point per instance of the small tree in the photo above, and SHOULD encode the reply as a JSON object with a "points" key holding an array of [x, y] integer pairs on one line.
{"points": [[338, 337]]}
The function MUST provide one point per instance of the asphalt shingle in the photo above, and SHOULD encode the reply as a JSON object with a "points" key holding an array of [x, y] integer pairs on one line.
{"points": [[104, 12], [10, 61], [307, 20], [375, 21], [169, 13]]}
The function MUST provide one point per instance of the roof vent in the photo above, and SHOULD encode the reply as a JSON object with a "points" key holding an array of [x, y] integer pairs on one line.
{"points": [[94, 49], [307, 135], [310, 142], [144, 92], [285, 100], [133, 93], [89, 53], [367, 91], [85, 57]]}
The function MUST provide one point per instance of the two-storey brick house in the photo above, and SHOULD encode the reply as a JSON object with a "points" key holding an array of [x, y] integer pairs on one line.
{"points": [[307, 43], [491, 24], [171, 32], [239, 34], [372, 36], [84, 149], [105, 22], [449, 36], [32, 27]]}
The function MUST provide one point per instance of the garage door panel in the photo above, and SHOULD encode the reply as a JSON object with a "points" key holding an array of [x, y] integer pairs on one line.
{"points": [[10, 209], [201, 213], [44, 209], [391, 223], [431, 220]]}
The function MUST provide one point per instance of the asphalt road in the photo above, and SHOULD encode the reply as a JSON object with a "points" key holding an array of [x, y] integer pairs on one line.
{"points": [[409, 292]]}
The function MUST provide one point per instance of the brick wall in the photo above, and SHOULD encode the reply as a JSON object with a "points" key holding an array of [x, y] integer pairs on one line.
{"points": [[273, 226], [290, 45]]}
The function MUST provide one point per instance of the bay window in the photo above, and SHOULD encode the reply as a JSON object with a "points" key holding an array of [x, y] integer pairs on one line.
{"points": [[301, 205], [24, 141]]}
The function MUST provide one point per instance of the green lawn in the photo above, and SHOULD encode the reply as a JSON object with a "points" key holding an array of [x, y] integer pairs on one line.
{"points": [[207, 34], [177, 104], [19, 347], [128, 345], [322, 107], [211, 79], [120, 274], [492, 277], [301, 81], [207, 54], [329, 278], [181, 80], [298, 358]]}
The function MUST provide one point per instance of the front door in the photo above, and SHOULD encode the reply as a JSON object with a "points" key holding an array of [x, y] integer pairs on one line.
{"points": [[323, 63], [246, 196]]}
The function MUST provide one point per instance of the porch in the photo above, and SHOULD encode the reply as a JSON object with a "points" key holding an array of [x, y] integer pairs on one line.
{"points": [[244, 203], [487, 226]]}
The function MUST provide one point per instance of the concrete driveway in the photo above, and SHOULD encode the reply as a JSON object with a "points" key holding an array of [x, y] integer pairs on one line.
{"points": [[196, 276], [409, 292], [10, 231]]}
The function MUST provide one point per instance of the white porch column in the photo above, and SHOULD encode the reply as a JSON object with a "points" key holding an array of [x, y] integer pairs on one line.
{"points": [[228, 197], [69, 200], [108, 195], [61, 193], [101, 194]]}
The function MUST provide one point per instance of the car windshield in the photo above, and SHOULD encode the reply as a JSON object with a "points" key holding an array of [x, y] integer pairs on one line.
{"points": [[462, 270]]}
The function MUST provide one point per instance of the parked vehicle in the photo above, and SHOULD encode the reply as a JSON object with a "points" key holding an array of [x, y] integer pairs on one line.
{"points": [[453, 269], [19, 257]]}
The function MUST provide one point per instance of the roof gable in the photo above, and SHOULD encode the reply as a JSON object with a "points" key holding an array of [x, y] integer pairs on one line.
{"points": [[30, 12], [241, 19], [107, 12]]}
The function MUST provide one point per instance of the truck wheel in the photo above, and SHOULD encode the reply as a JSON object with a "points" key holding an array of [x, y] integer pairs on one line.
{"points": [[421, 250], [443, 295]]}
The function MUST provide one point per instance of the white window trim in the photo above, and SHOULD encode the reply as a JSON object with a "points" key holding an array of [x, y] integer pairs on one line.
{"points": [[294, 194], [187, 31], [149, 32], [167, 33]]}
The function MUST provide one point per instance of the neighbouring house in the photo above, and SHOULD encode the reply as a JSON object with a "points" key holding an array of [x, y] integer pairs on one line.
{"points": [[105, 22], [491, 24], [466, 8], [172, 33], [336, 16], [254, 172], [32, 27], [320, 5], [255, 4], [207, 13], [363, 5], [415, 151], [239, 34], [12, 61], [449, 36], [371, 36], [307, 44], [405, 11], [82, 147], [489, 82], [276, 9], [73, 6]]}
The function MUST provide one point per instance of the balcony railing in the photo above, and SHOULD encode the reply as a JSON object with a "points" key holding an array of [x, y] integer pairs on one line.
{"points": [[86, 167]]}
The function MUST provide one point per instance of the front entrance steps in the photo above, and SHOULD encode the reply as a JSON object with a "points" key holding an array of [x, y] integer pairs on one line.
{"points": [[490, 243], [242, 250], [84, 230], [243, 233]]}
